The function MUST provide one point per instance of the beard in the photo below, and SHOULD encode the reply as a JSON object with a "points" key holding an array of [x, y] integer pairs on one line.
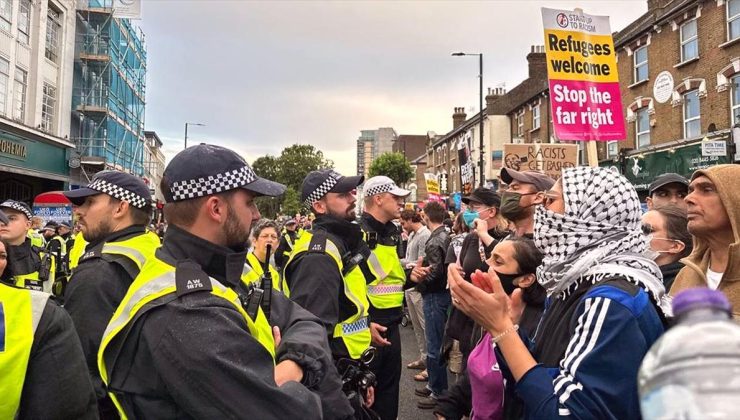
{"points": [[235, 232], [98, 233], [348, 215]]}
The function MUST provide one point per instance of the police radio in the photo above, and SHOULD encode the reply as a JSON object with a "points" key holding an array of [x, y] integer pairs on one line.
{"points": [[266, 283]]}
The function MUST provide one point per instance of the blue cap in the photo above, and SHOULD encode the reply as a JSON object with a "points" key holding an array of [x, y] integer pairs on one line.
{"points": [[120, 185], [207, 169]]}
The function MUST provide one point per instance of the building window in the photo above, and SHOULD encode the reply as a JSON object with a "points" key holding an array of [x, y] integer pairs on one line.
{"points": [[21, 83], [735, 105], [47, 107], [733, 19], [536, 117], [689, 41], [520, 123], [612, 148], [691, 116], [24, 21], [642, 128], [641, 64], [6, 14], [53, 34], [4, 78]]}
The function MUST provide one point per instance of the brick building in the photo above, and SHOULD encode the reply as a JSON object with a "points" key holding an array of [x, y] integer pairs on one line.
{"points": [[679, 71]]}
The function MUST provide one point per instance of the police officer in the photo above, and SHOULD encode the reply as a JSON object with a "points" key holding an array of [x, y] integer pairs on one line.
{"points": [[32, 268], [37, 239], [57, 246], [288, 236], [383, 204], [189, 339], [35, 335], [323, 273], [113, 212]]}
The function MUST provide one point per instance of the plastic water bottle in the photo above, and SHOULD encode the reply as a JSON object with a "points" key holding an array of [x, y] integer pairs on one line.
{"points": [[693, 371]]}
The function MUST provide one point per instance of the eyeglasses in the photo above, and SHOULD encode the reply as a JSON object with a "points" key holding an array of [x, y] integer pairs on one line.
{"points": [[267, 236]]}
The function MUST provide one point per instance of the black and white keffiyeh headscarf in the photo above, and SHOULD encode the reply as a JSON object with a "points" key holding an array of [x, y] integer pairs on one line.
{"points": [[598, 237]]}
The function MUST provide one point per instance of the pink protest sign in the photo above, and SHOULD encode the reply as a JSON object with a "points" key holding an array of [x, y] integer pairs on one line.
{"points": [[582, 72]]}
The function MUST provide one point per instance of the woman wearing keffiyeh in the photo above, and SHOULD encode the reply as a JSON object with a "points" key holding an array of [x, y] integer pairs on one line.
{"points": [[604, 303]]}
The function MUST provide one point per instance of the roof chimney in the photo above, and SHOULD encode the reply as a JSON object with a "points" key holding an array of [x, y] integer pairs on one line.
{"points": [[493, 96], [458, 117], [537, 62]]}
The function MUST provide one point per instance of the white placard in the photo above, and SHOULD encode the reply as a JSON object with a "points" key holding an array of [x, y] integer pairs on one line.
{"points": [[714, 148], [663, 87], [129, 9]]}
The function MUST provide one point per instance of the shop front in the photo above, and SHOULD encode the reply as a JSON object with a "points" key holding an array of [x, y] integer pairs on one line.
{"points": [[641, 168], [31, 165]]}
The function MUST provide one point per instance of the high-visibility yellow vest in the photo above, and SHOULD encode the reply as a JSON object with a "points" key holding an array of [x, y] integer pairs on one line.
{"points": [[385, 291], [20, 312], [37, 239], [62, 245], [40, 280], [157, 282], [78, 248], [253, 272], [353, 331]]}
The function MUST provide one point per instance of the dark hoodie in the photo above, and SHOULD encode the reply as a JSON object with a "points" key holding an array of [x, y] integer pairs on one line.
{"points": [[725, 179]]}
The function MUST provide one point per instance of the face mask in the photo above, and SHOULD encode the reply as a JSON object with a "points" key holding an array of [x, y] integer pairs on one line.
{"points": [[507, 281], [469, 217], [510, 207], [651, 253]]}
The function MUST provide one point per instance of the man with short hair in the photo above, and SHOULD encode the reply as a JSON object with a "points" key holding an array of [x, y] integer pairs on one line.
{"points": [[113, 212], [432, 284], [383, 203], [48, 231], [525, 191], [668, 189], [323, 273], [418, 234], [32, 267], [190, 339], [714, 221]]}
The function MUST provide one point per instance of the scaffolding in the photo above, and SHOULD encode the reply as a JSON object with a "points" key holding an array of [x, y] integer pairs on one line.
{"points": [[109, 89]]}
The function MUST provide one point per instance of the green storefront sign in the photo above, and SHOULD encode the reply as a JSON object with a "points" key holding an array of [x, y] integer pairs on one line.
{"points": [[32, 155], [641, 169]]}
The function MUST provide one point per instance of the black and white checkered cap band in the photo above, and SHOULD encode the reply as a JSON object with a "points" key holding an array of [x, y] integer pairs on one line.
{"points": [[379, 189], [321, 191], [213, 184], [17, 207], [120, 193]]}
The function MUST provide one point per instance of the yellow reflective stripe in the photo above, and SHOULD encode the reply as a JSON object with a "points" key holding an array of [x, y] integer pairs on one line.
{"points": [[38, 303], [384, 289], [376, 267], [134, 254]]}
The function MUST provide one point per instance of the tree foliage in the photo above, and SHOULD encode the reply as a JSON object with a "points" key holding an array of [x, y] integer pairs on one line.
{"points": [[394, 166], [290, 168]]}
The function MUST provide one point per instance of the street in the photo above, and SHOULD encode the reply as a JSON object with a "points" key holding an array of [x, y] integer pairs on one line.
{"points": [[407, 409]]}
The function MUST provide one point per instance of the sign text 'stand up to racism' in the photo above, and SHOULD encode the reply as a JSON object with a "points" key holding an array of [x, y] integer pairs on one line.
{"points": [[582, 71]]}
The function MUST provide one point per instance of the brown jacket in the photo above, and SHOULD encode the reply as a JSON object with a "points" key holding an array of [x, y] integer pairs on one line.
{"points": [[725, 178]]}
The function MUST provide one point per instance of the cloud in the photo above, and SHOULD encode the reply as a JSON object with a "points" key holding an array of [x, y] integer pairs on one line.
{"points": [[265, 75]]}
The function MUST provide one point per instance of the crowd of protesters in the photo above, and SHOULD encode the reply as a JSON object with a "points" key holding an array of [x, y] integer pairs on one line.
{"points": [[542, 297]]}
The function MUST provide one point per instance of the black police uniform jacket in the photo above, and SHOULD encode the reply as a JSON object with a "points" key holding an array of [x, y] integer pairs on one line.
{"points": [[193, 357]]}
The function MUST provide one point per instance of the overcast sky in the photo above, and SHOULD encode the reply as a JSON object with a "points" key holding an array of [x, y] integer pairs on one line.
{"points": [[265, 75]]}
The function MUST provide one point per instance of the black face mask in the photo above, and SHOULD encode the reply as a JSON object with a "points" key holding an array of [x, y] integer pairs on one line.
{"points": [[510, 205], [507, 281]]}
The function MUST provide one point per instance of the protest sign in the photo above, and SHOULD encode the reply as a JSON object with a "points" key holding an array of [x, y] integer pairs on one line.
{"points": [[582, 72], [467, 172], [432, 184], [547, 158]]}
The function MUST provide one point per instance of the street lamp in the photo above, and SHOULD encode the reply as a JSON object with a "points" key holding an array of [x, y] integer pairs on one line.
{"points": [[480, 106], [186, 131]]}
